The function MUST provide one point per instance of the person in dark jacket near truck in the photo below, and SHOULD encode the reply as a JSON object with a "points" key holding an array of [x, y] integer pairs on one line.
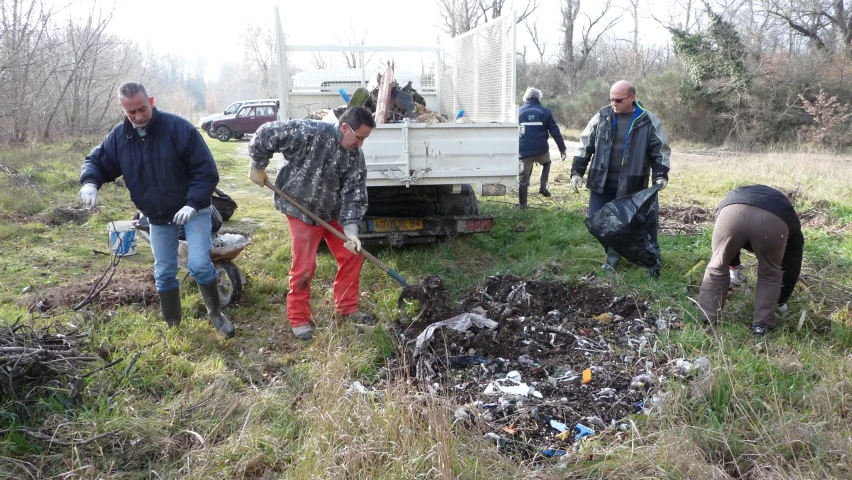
{"points": [[623, 145], [171, 175], [536, 122], [761, 220]]}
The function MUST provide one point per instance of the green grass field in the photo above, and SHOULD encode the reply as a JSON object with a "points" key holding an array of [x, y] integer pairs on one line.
{"points": [[265, 406]]}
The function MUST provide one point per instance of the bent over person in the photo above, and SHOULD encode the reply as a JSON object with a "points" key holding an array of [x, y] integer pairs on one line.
{"points": [[325, 171], [623, 145], [761, 220], [171, 175], [537, 121]]}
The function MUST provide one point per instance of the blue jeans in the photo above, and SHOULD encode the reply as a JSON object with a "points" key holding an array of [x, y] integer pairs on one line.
{"points": [[164, 243]]}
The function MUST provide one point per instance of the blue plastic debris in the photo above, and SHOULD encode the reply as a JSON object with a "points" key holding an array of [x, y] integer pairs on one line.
{"points": [[639, 407], [584, 431], [550, 452], [558, 425], [344, 95]]}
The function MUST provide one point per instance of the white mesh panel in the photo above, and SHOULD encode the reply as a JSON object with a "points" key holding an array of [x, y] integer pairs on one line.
{"points": [[477, 73]]}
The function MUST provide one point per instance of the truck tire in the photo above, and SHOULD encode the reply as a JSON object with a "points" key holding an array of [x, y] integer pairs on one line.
{"points": [[223, 133], [461, 204]]}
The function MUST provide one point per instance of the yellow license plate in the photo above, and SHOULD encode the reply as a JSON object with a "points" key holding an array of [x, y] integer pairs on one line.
{"points": [[395, 225]]}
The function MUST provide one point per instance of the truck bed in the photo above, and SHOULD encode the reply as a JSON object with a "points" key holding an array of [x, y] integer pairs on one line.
{"points": [[406, 154]]}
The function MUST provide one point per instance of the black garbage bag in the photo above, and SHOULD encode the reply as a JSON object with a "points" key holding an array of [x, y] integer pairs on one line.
{"points": [[627, 224], [224, 204]]}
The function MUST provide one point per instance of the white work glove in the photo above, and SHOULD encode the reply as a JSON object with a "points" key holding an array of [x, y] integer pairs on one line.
{"points": [[576, 183], [563, 155], [183, 215], [89, 195], [351, 232], [258, 176], [782, 309], [662, 182]]}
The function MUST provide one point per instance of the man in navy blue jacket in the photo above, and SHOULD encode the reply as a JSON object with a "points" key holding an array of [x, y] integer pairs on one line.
{"points": [[171, 175], [536, 122]]}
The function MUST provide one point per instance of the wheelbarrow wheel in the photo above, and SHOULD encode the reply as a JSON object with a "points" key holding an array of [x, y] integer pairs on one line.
{"points": [[229, 282]]}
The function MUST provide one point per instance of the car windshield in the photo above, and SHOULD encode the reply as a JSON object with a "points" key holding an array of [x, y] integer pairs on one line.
{"points": [[232, 108]]}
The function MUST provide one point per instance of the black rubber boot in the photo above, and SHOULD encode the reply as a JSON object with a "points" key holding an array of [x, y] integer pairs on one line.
{"points": [[210, 294], [522, 196], [545, 175], [170, 306]]}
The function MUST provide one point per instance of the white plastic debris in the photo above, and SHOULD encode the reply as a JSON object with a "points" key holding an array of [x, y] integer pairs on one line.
{"points": [[228, 240], [356, 387], [515, 386], [460, 323]]}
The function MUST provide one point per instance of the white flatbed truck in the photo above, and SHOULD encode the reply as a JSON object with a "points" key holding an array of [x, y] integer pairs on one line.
{"points": [[423, 179]]}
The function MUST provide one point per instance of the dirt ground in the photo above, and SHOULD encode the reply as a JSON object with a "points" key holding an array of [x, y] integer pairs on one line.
{"points": [[128, 286], [691, 219], [540, 359]]}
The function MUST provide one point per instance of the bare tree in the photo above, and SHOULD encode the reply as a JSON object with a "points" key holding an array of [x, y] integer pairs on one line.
{"points": [[818, 21], [353, 59], [539, 44], [25, 62], [260, 52], [574, 58], [84, 42], [460, 16]]}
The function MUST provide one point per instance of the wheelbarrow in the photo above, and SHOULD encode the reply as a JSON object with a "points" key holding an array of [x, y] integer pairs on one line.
{"points": [[229, 278]]}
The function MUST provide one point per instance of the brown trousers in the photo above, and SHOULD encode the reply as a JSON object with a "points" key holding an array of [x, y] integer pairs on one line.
{"points": [[767, 234]]}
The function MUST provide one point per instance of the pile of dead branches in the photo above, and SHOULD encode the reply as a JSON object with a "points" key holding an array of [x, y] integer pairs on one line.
{"points": [[37, 361]]}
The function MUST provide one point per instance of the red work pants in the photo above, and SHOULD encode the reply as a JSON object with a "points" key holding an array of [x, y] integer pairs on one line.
{"points": [[305, 240]]}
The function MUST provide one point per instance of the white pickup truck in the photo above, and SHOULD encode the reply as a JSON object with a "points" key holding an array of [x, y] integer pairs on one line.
{"points": [[423, 178]]}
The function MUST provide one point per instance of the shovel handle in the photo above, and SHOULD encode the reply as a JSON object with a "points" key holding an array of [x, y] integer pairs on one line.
{"points": [[369, 256]]}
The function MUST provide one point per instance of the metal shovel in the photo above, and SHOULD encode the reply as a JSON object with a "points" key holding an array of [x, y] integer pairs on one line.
{"points": [[375, 261]]}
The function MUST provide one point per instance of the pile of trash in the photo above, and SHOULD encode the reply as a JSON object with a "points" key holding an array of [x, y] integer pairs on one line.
{"points": [[541, 365], [399, 104]]}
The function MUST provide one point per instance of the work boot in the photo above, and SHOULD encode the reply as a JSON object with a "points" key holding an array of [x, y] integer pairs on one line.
{"points": [[360, 317], [303, 332], [210, 294], [544, 192], [170, 306], [522, 196], [612, 258], [761, 330], [545, 175]]}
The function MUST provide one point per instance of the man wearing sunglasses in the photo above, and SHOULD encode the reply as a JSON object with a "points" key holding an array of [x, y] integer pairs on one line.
{"points": [[622, 146], [325, 172]]}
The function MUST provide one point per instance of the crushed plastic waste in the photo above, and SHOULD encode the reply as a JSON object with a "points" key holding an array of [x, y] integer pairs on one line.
{"points": [[530, 361], [228, 240]]}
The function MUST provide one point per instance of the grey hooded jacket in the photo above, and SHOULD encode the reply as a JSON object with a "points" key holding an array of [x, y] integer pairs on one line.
{"points": [[646, 150], [326, 178]]}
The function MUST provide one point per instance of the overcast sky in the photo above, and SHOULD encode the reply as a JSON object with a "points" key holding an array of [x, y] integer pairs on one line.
{"points": [[212, 29]]}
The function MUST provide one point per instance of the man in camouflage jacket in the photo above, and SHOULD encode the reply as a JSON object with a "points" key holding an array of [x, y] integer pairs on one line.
{"points": [[326, 173]]}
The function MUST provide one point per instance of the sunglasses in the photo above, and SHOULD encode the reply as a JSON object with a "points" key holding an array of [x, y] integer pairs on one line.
{"points": [[619, 100], [359, 137]]}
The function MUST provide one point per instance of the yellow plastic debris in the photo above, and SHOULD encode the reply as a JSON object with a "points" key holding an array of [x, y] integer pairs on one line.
{"points": [[604, 318], [587, 376], [564, 435]]}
